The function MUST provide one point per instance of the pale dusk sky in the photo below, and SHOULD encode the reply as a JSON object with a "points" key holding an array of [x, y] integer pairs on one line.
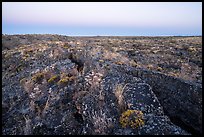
{"points": [[102, 18]]}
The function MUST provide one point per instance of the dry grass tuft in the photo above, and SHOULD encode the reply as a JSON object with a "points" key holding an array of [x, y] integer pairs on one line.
{"points": [[28, 126], [28, 85], [159, 69], [101, 122], [46, 107], [120, 98]]}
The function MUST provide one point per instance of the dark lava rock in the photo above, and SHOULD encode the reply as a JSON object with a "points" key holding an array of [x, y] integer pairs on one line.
{"points": [[81, 92], [181, 100]]}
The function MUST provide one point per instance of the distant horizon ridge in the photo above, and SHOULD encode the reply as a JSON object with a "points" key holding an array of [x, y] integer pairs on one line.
{"points": [[106, 35]]}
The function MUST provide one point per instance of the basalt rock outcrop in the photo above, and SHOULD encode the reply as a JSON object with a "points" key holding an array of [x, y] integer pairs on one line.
{"points": [[58, 85]]}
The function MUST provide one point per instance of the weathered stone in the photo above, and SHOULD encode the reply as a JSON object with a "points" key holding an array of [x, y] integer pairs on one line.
{"points": [[99, 85]]}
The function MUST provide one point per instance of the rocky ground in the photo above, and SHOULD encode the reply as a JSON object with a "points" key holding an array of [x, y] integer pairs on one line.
{"points": [[60, 85]]}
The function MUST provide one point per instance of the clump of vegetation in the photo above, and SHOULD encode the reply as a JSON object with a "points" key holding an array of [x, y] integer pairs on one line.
{"points": [[38, 77], [27, 84], [101, 60], [132, 118], [62, 75], [174, 74], [159, 69], [54, 78], [119, 63], [20, 67], [107, 66], [66, 46], [30, 50], [150, 66], [191, 49], [25, 56], [28, 126], [133, 63], [23, 80], [7, 55], [101, 122], [120, 98], [63, 80], [71, 78], [155, 51]]}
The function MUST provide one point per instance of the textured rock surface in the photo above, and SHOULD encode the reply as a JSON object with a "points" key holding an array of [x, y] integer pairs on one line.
{"points": [[182, 100], [57, 85]]}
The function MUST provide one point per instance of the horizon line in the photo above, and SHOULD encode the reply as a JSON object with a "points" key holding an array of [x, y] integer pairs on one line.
{"points": [[105, 35]]}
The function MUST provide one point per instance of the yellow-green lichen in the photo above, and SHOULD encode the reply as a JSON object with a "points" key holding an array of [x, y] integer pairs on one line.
{"points": [[63, 80], [132, 118], [38, 77], [53, 78]]}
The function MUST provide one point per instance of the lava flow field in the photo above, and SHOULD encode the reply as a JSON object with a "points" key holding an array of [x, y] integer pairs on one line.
{"points": [[61, 85]]}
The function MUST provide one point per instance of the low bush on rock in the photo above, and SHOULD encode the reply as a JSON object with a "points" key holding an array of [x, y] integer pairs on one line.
{"points": [[132, 118]]}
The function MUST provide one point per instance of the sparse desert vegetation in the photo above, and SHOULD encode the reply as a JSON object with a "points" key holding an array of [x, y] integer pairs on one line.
{"points": [[61, 85]]}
